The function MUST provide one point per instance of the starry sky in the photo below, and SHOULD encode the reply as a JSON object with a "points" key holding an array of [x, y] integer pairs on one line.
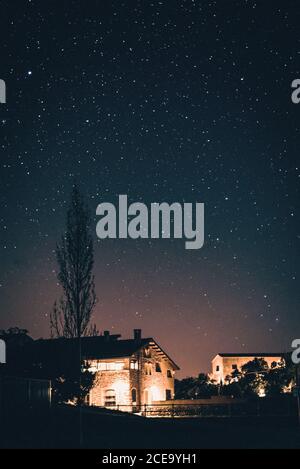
{"points": [[182, 101]]}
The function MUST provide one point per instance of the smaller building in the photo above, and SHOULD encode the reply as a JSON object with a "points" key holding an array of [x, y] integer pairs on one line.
{"points": [[224, 364]]}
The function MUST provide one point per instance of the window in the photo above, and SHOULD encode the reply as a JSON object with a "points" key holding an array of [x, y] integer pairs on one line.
{"points": [[169, 373], [119, 365], [87, 399], [217, 368], [148, 369], [110, 398], [147, 352], [134, 365], [115, 366], [234, 366], [157, 367], [168, 394], [133, 396], [110, 366]]}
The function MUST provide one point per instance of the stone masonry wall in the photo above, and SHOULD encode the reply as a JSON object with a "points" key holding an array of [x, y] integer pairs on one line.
{"points": [[149, 387]]}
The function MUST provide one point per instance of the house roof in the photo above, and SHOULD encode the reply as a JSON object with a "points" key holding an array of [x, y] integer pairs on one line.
{"points": [[161, 352], [256, 355], [111, 349], [101, 347]]}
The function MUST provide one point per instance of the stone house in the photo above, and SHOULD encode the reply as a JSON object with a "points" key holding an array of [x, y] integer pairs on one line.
{"points": [[223, 364], [129, 373]]}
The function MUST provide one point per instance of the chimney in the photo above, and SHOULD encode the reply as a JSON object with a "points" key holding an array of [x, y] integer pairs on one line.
{"points": [[106, 335], [137, 334]]}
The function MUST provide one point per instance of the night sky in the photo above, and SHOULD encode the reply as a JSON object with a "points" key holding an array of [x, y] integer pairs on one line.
{"points": [[166, 101]]}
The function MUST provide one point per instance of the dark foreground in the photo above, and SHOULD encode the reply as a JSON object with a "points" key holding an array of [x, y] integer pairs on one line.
{"points": [[59, 428]]}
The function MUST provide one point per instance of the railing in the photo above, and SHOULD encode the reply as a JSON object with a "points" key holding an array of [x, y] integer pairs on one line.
{"points": [[257, 408]]}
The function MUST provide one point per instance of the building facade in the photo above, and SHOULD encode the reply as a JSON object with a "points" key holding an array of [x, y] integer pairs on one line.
{"points": [[224, 364], [129, 373]]}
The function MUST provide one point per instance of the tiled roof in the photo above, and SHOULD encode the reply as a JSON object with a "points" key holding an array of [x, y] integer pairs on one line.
{"points": [[98, 347]]}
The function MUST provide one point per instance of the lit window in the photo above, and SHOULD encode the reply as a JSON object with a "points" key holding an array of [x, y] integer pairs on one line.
{"points": [[115, 366], [148, 369], [119, 365], [134, 365], [102, 366], [110, 366], [110, 398]]}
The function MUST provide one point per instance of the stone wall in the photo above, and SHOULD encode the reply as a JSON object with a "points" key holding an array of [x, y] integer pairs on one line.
{"points": [[154, 385], [119, 381], [150, 385]]}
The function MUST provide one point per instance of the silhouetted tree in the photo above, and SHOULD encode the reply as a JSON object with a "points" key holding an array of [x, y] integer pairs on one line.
{"points": [[281, 378], [16, 340], [256, 378], [232, 389], [195, 388], [71, 316], [252, 381]]}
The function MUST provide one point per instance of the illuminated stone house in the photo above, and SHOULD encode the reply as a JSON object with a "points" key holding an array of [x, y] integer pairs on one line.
{"points": [[224, 364], [129, 373]]}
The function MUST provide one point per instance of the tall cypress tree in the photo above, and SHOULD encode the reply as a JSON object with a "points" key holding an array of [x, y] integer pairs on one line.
{"points": [[71, 316]]}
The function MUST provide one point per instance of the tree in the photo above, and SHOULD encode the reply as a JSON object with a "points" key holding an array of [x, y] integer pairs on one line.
{"points": [[281, 378], [232, 389], [251, 379], [195, 388], [15, 334], [256, 378], [57, 360], [16, 340], [71, 316]]}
